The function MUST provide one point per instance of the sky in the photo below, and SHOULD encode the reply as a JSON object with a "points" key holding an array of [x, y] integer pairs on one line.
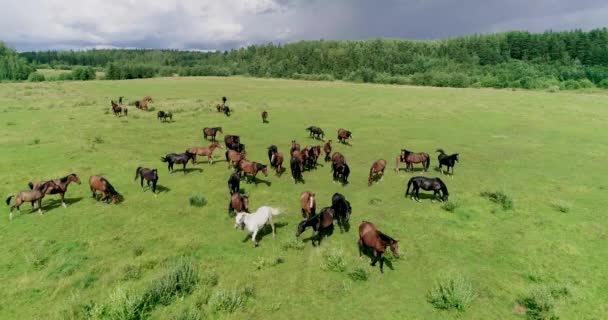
{"points": [[226, 24]]}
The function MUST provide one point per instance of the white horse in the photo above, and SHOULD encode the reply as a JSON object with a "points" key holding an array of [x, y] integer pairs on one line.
{"points": [[256, 221]]}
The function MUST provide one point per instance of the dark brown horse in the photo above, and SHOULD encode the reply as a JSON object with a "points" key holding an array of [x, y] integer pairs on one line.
{"points": [[173, 158], [32, 196], [108, 193], [60, 187], [116, 108], [316, 154], [322, 224], [164, 115], [250, 169], [151, 175], [211, 132], [232, 141], [308, 203], [233, 157], [327, 150], [238, 203], [410, 158], [220, 107], [294, 147], [344, 135], [143, 104], [264, 116], [204, 151], [377, 169], [276, 162], [338, 158], [372, 238]]}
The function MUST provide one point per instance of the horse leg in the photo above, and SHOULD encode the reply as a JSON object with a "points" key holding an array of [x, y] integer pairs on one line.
{"points": [[153, 186], [62, 200], [382, 263], [141, 182], [255, 243], [272, 225], [417, 193], [374, 258], [40, 206], [360, 244], [185, 167]]}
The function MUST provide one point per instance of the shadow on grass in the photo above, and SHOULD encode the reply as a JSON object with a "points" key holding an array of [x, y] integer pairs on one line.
{"points": [[369, 252], [266, 230], [56, 203]]}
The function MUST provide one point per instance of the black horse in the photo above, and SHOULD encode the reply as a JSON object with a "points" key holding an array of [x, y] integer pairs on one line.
{"points": [[227, 111], [434, 184], [316, 132], [342, 210], [234, 182], [445, 160], [272, 150], [182, 158], [296, 169], [322, 224], [151, 175], [162, 116], [341, 172]]}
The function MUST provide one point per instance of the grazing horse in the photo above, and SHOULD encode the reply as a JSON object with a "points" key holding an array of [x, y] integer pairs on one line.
{"points": [[151, 175], [377, 169], [308, 203], [143, 104], [60, 187], [316, 132], [322, 224], [338, 158], [294, 147], [204, 151], [342, 210], [238, 203], [256, 221], [372, 238], [341, 173], [251, 168], [116, 108], [34, 196], [429, 184], [410, 158], [162, 116], [297, 167], [264, 116], [234, 183], [108, 193], [233, 157], [183, 158], [327, 150], [344, 135], [445, 160], [212, 132]]}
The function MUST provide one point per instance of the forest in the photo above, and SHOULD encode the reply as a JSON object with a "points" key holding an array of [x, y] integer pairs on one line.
{"points": [[550, 60]]}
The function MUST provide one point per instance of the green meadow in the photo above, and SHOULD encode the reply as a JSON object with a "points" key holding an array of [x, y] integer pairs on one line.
{"points": [[545, 255]]}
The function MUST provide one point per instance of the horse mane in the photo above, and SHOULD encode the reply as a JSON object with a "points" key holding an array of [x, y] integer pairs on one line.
{"points": [[384, 237], [444, 188], [259, 166], [64, 179], [109, 186]]}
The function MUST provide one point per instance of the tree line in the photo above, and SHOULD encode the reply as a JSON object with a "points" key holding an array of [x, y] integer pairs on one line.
{"points": [[566, 60]]}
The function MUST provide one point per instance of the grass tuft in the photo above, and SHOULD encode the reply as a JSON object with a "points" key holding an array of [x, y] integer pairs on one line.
{"points": [[180, 280], [450, 206], [333, 260], [539, 304], [98, 140], [359, 274], [198, 201], [227, 301], [138, 250], [293, 244], [262, 262], [131, 272], [500, 198], [561, 206], [451, 293]]}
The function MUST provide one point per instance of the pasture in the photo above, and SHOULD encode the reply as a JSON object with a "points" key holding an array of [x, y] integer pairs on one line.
{"points": [[545, 151]]}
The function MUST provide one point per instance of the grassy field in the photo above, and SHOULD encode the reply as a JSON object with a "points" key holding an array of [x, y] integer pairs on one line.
{"points": [[545, 151]]}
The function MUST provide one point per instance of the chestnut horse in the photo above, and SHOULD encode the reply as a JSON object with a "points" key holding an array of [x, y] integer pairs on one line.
{"points": [[143, 104], [60, 187], [294, 147], [101, 184], [212, 132], [276, 162], [410, 158], [233, 157], [32, 196], [264, 116], [116, 108], [327, 150], [204, 151], [377, 169], [308, 203], [372, 238], [344, 135], [238, 203], [251, 168]]}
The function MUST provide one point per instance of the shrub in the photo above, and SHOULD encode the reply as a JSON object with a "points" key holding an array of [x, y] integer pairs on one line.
{"points": [[126, 305], [209, 279], [499, 198], [262, 262], [198, 201], [603, 84], [451, 293], [227, 301], [293, 244], [571, 85], [36, 77], [313, 77], [450, 206], [539, 304], [83, 73], [553, 89], [180, 280], [333, 260], [359, 274]]}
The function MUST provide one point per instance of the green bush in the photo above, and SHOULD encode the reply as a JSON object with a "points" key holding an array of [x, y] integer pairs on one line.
{"points": [[540, 305], [500, 198], [83, 73], [198, 201], [450, 206], [359, 274], [333, 260], [603, 84], [451, 293], [36, 77], [180, 280]]}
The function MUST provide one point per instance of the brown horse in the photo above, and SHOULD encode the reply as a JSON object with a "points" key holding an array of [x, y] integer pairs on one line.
{"points": [[116, 108], [344, 135], [238, 203], [101, 184], [231, 141], [294, 147], [372, 238], [264, 116], [60, 187], [33, 196], [316, 154], [410, 158], [143, 104], [308, 203], [211, 132], [251, 168], [337, 158], [204, 151], [322, 224], [233, 157], [377, 169], [276, 162], [327, 150]]}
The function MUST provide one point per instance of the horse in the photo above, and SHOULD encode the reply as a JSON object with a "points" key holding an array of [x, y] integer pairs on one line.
{"points": [[60, 187], [162, 116], [308, 203], [445, 160], [264, 116], [434, 184], [227, 111], [101, 184], [344, 135], [310, 157], [297, 167], [116, 108], [211, 132], [338, 158], [251, 168], [322, 224], [410, 158], [143, 104], [183, 158], [219, 107], [151, 175], [234, 183], [294, 147], [377, 169], [370, 237], [305, 156], [342, 211], [316, 132], [34, 196], [204, 151], [341, 172], [256, 221], [238, 203], [327, 150], [231, 140], [276, 162], [233, 157]]}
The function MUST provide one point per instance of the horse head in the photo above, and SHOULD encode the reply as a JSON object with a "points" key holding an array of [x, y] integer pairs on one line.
{"points": [[301, 227], [239, 220], [455, 155], [394, 245], [74, 178], [263, 168]]}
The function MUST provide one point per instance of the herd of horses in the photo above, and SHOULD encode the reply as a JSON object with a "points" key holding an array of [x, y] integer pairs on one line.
{"points": [[301, 159]]}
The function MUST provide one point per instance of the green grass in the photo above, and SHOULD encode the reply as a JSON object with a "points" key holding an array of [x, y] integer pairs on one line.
{"points": [[546, 151]]}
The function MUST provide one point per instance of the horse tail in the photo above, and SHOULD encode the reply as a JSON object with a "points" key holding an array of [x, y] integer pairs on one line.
{"points": [[371, 170], [427, 163], [8, 200], [31, 185], [440, 150], [444, 188], [137, 173]]}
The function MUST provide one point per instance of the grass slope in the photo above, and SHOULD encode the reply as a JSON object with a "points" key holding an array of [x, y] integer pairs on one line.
{"points": [[545, 151]]}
